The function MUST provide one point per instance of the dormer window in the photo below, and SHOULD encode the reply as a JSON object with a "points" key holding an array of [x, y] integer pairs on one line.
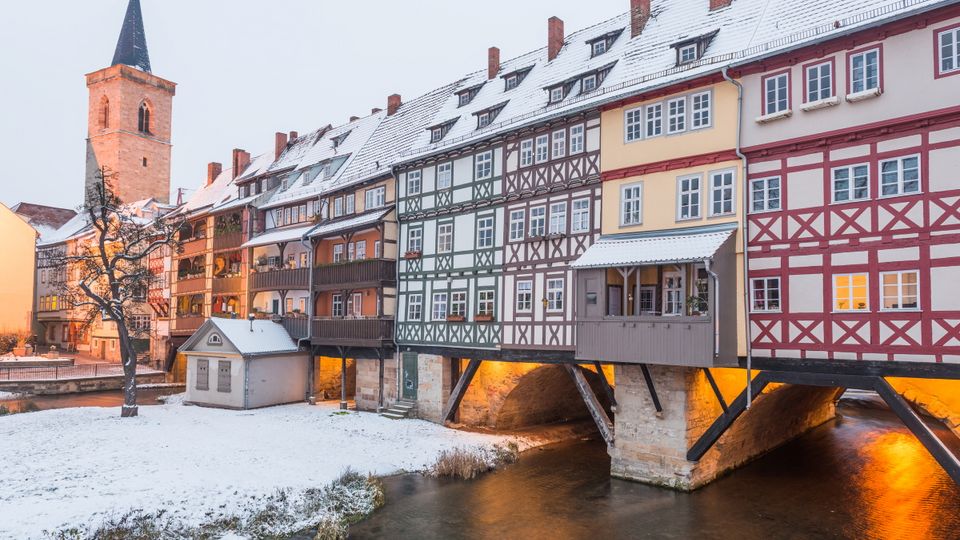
{"points": [[338, 140], [465, 96], [687, 54], [556, 94], [464, 99], [691, 50], [483, 119], [436, 134], [589, 83], [511, 82], [599, 47], [514, 78], [487, 116]]}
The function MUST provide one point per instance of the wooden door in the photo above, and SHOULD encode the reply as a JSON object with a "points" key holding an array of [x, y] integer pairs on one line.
{"points": [[409, 376]]}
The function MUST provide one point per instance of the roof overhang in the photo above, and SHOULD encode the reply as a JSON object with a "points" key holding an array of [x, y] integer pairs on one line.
{"points": [[276, 237], [655, 248]]}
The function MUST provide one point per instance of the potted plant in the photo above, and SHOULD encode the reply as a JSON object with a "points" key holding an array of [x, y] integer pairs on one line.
{"points": [[456, 318], [412, 254], [22, 348], [696, 305], [483, 317]]}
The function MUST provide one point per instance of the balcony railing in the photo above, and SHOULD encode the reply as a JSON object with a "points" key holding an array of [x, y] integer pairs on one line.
{"points": [[189, 285], [227, 285], [367, 272], [186, 323], [193, 245], [648, 339], [276, 280], [296, 326], [227, 240], [342, 332]]}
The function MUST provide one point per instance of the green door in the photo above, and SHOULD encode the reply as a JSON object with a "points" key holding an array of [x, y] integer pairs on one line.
{"points": [[409, 376]]}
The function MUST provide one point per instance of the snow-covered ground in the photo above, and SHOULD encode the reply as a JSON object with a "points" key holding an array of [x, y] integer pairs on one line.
{"points": [[69, 467]]}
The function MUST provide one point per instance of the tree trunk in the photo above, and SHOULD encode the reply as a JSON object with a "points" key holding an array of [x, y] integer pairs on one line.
{"points": [[129, 359]]}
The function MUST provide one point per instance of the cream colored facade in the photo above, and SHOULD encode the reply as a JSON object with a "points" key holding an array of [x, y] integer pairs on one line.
{"points": [[18, 244]]}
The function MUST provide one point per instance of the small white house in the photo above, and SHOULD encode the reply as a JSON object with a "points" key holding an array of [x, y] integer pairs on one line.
{"points": [[239, 364]]}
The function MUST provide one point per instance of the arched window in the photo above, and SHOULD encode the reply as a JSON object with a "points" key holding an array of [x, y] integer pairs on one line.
{"points": [[143, 118], [104, 112]]}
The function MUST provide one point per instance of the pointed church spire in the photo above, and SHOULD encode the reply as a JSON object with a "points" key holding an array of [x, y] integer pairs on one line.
{"points": [[132, 45]]}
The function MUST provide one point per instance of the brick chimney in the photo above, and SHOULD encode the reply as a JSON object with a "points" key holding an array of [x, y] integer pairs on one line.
{"points": [[717, 4], [639, 14], [241, 160], [294, 136], [555, 37], [280, 144], [493, 63], [393, 104], [213, 171]]}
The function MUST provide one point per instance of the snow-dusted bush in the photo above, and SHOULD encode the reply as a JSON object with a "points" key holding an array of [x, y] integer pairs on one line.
{"points": [[468, 463]]}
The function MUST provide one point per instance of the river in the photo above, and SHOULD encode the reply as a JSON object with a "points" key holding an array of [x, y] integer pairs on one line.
{"points": [[107, 398], [860, 476]]}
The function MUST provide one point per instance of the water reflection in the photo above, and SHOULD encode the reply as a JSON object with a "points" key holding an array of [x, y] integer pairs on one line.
{"points": [[860, 476]]}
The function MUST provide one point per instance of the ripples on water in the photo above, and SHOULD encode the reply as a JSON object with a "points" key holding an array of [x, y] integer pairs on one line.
{"points": [[863, 475]]}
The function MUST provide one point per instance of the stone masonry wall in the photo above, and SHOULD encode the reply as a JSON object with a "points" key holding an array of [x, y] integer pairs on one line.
{"points": [[327, 380], [368, 383], [433, 388]]}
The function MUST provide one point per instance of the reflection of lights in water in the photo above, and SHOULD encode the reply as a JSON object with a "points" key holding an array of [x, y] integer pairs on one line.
{"points": [[898, 484]]}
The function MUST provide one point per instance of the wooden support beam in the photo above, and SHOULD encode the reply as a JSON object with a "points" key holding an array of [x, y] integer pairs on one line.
{"points": [[928, 438], [593, 404], [456, 396], [651, 388], [716, 389], [721, 424], [606, 386]]}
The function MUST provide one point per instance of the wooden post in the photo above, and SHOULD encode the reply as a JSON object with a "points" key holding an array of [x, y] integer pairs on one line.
{"points": [[456, 396], [343, 379], [593, 404], [721, 424], [380, 380], [606, 385], [651, 388], [716, 389]]}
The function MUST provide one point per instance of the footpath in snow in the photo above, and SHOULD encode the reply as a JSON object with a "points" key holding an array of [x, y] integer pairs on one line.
{"points": [[70, 467]]}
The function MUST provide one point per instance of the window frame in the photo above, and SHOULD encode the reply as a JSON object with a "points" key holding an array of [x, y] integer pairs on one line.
{"points": [[900, 176], [557, 94], [576, 215], [657, 120], [485, 233], [556, 297], [522, 222], [580, 138], [714, 189], [766, 199], [764, 103], [483, 159], [863, 51], [583, 83], [380, 197], [411, 237], [598, 44], [851, 298], [434, 304], [900, 293], [557, 210], [831, 63], [698, 194], [541, 219], [523, 300], [442, 235], [449, 178], [681, 117], [558, 152], [938, 51], [337, 307], [419, 183], [628, 135], [482, 303], [415, 300], [526, 153], [766, 296], [851, 185], [545, 139], [457, 304], [680, 54], [639, 202], [709, 110]]}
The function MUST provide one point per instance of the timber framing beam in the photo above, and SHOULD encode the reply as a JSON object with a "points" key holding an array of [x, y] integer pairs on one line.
{"points": [[721, 424], [593, 404], [716, 389], [499, 355], [653, 389], [606, 386], [456, 395], [870, 368]]}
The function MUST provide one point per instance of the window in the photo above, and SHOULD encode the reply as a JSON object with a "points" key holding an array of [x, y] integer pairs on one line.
{"points": [[948, 51], [558, 218], [598, 47], [765, 194], [538, 217], [776, 93], [361, 250], [554, 295], [900, 290], [633, 121], [766, 294], [851, 183], [676, 115], [543, 144], [700, 110], [524, 295], [864, 71], [687, 54], [351, 253], [485, 233], [510, 82], [414, 182], [336, 309], [337, 253], [576, 139], [437, 133], [526, 153], [375, 198], [415, 307], [819, 81], [556, 94], [338, 207], [223, 376], [688, 198], [485, 302], [415, 240], [458, 304], [654, 120], [581, 216], [355, 305], [350, 202], [484, 166], [439, 306], [203, 374], [484, 119], [631, 205], [589, 84], [465, 98], [559, 144], [104, 112], [850, 292], [517, 219], [444, 175], [900, 176], [143, 118], [377, 249], [648, 299], [673, 293], [445, 238], [721, 193]]}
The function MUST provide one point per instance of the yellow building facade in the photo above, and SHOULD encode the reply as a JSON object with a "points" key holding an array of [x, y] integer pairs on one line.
{"points": [[18, 242]]}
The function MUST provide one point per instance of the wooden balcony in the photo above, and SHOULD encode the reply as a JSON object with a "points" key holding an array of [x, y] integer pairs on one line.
{"points": [[296, 326], [677, 341], [230, 240], [374, 333], [227, 285], [193, 246], [361, 274], [186, 324], [189, 285], [280, 280]]}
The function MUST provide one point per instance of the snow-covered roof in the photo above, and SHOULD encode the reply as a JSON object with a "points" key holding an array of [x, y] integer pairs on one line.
{"points": [[361, 220], [279, 235], [679, 246], [221, 189], [265, 336], [77, 225]]}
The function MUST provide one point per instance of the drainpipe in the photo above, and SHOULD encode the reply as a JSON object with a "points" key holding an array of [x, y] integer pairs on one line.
{"points": [[745, 232], [716, 307], [305, 242]]}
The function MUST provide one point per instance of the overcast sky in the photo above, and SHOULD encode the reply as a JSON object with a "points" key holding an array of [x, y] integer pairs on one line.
{"points": [[245, 69]]}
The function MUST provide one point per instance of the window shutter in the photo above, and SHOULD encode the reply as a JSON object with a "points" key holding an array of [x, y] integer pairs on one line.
{"points": [[223, 376], [203, 374]]}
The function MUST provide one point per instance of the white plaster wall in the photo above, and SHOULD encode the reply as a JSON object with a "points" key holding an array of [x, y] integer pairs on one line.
{"points": [[232, 399], [276, 380]]}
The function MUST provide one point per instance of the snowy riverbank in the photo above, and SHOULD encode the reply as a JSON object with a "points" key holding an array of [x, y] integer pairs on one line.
{"points": [[69, 467]]}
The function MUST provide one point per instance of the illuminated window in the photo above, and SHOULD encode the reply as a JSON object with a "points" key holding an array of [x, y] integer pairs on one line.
{"points": [[900, 290], [850, 292]]}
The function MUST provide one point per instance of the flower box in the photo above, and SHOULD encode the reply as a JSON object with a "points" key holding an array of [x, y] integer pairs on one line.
{"points": [[412, 255], [483, 317], [456, 318]]}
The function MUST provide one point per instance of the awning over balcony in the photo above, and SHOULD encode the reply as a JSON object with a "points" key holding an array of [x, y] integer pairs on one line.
{"points": [[275, 237], [654, 248], [363, 220]]}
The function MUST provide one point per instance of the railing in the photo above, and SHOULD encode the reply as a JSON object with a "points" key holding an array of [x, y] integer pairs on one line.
{"points": [[54, 373], [367, 271], [647, 339], [296, 326], [182, 323], [227, 285], [352, 331], [189, 285], [274, 280], [227, 240], [193, 245]]}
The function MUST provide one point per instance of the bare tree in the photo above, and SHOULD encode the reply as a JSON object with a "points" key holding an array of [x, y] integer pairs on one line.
{"points": [[107, 276]]}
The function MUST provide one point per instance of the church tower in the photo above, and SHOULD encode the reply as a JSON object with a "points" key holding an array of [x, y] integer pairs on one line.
{"points": [[129, 119]]}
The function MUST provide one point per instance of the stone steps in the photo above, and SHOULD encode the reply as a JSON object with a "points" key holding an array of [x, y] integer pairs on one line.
{"points": [[399, 410]]}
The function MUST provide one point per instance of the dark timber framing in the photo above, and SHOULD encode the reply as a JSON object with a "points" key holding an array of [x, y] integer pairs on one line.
{"points": [[651, 388], [593, 404], [894, 400], [456, 395], [919, 370]]}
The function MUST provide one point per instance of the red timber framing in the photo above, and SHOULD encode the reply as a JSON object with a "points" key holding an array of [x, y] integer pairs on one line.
{"points": [[913, 232]]}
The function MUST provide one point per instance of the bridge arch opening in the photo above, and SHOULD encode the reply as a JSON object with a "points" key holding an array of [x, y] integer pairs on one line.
{"points": [[546, 395]]}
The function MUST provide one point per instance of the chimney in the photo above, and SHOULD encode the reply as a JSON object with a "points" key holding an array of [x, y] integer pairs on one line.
{"points": [[375, 110], [639, 14], [241, 160], [393, 104], [717, 4], [493, 63], [213, 171], [555, 37], [294, 135], [280, 144]]}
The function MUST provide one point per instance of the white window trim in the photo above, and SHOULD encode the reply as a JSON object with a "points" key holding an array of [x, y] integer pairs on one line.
{"points": [[766, 200], [553, 144], [450, 168], [561, 290], [806, 82], [573, 215], [419, 176], [531, 161], [733, 192], [709, 109], [850, 187], [766, 299], [536, 148], [643, 124], [955, 31], [681, 50], [623, 213], [899, 273], [434, 304], [681, 116], [522, 221], [439, 226], [900, 192], [553, 212], [480, 229], [557, 94], [680, 193], [646, 119], [542, 219], [528, 309], [418, 303], [833, 306], [583, 83], [476, 165], [582, 137], [866, 92]]}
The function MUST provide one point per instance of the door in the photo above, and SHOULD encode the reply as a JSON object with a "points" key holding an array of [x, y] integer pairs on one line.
{"points": [[103, 349], [673, 293], [408, 377], [614, 300]]}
